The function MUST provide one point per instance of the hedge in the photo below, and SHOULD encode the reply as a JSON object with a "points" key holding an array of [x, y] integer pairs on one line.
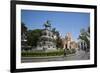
{"points": [[45, 53]]}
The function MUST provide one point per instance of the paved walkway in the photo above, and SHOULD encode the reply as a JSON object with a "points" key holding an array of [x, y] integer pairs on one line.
{"points": [[79, 55]]}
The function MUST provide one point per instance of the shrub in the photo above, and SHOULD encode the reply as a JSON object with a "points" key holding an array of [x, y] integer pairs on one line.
{"points": [[45, 53]]}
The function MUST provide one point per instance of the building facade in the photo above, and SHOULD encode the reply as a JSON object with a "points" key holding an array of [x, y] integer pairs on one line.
{"points": [[69, 43]]}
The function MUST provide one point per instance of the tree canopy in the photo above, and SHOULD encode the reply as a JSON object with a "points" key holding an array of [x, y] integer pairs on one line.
{"points": [[23, 27], [33, 37]]}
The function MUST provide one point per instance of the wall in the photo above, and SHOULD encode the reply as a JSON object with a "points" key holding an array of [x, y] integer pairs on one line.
{"points": [[5, 36]]}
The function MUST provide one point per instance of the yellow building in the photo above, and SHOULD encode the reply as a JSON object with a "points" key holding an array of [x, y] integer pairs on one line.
{"points": [[69, 43]]}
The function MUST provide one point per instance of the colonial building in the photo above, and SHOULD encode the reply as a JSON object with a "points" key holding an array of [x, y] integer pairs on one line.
{"points": [[46, 41], [82, 45], [69, 43]]}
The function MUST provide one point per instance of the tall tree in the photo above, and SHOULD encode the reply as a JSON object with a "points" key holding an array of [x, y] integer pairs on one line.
{"points": [[23, 28], [33, 37], [58, 40]]}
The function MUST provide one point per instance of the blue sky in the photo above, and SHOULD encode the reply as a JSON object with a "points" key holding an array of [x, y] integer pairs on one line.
{"points": [[64, 22]]}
